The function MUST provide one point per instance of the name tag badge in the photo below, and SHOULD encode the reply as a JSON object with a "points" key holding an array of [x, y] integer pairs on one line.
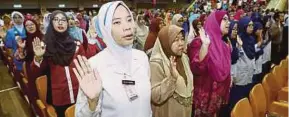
{"points": [[128, 82], [130, 92]]}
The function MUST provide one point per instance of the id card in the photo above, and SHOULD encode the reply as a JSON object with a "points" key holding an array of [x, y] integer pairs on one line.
{"points": [[130, 92]]}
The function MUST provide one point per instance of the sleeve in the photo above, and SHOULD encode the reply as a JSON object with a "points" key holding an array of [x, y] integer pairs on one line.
{"points": [[198, 67], [85, 41], [9, 39], [39, 68], [235, 54], [91, 50], [82, 106], [163, 86]]}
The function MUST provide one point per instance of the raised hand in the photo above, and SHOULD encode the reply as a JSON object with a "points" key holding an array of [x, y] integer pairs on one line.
{"points": [[173, 67], [21, 43], [38, 47], [204, 38], [239, 41], [88, 78]]}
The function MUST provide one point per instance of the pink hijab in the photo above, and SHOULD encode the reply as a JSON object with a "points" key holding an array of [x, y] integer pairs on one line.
{"points": [[238, 15], [219, 53], [81, 20]]}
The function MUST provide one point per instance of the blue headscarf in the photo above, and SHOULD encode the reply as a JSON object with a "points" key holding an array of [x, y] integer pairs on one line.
{"points": [[186, 26], [97, 29], [256, 17], [76, 33], [235, 52], [248, 40], [257, 26], [193, 17]]}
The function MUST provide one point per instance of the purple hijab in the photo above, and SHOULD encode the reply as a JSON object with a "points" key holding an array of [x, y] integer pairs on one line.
{"points": [[219, 53]]}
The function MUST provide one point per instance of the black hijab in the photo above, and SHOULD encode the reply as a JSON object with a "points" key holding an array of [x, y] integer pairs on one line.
{"points": [[60, 47]]}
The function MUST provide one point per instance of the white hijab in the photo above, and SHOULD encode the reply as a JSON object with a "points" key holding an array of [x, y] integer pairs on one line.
{"points": [[46, 20], [20, 27], [105, 15], [176, 18]]}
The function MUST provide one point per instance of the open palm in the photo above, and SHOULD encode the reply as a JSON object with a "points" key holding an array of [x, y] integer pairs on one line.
{"points": [[173, 67], [38, 47], [88, 78], [204, 38]]}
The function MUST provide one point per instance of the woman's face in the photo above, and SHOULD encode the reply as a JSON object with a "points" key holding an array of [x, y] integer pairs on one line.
{"points": [[77, 23], [234, 31], [141, 20], [225, 25], [250, 27], [162, 24], [180, 22], [122, 26], [7, 20], [71, 22], [199, 25], [30, 27], [41, 27], [60, 23], [178, 45], [17, 19]]}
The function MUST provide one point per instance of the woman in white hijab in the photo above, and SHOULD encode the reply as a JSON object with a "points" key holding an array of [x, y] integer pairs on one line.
{"points": [[46, 20], [178, 20], [141, 31], [116, 81]]}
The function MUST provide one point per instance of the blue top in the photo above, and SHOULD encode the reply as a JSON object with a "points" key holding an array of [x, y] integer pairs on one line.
{"points": [[12, 44]]}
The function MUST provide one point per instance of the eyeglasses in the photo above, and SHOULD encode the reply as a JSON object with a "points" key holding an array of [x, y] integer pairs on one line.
{"points": [[30, 25], [250, 25], [17, 17], [225, 18], [58, 20]]}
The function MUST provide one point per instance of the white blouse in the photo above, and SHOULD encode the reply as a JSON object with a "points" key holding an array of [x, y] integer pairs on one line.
{"points": [[113, 101]]}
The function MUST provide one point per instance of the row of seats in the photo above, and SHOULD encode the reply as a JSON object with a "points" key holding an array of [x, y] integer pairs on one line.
{"points": [[46, 109], [269, 98], [41, 108]]}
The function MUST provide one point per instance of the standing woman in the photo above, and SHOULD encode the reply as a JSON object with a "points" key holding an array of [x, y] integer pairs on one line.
{"points": [[15, 41], [142, 32], [156, 25], [95, 42], [7, 22], [32, 31], [245, 65], [210, 61], [178, 20], [171, 75], [115, 82], [54, 59]]}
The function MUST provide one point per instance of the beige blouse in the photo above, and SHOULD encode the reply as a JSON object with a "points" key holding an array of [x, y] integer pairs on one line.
{"points": [[170, 98]]}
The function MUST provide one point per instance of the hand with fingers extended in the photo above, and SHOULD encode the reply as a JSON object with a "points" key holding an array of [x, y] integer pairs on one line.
{"points": [[88, 78], [204, 37], [38, 47], [173, 67], [239, 41], [20, 43]]}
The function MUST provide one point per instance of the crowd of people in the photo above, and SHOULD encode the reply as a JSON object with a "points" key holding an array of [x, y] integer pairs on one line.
{"points": [[195, 62]]}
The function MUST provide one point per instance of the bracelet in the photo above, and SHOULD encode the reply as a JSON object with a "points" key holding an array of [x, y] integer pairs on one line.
{"points": [[37, 58]]}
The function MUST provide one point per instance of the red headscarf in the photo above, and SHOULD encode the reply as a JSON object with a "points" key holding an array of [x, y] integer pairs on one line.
{"points": [[238, 14], [152, 36], [29, 39]]}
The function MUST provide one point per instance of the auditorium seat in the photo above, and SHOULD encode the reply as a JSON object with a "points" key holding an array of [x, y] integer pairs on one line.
{"points": [[46, 109], [242, 109], [261, 108], [70, 111]]}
